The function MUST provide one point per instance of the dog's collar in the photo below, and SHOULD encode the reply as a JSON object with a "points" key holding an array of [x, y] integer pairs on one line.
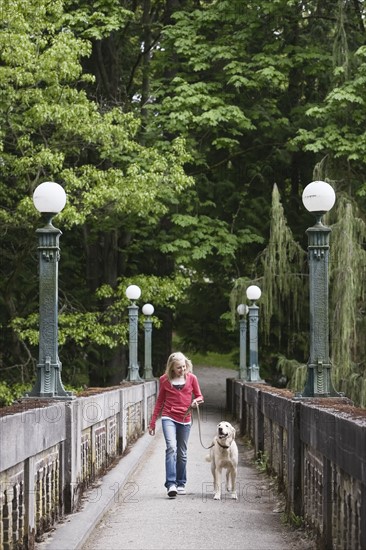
{"points": [[223, 446]]}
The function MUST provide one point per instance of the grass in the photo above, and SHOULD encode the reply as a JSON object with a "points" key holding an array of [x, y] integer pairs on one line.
{"points": [[208, 359], [212, 359]]}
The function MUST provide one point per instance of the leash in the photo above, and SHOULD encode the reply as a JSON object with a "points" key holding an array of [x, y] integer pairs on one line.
{"points": [[199, 424], [199, 428]]}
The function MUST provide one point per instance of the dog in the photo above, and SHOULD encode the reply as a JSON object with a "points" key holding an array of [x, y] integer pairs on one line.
{"points": [[224, 454]]}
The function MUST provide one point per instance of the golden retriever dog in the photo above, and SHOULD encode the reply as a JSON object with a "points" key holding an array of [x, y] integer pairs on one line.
{"points": [[224, 455]]}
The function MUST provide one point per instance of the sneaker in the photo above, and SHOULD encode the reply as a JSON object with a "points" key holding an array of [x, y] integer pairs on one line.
{"points": [[181, 490], [172, 491]]}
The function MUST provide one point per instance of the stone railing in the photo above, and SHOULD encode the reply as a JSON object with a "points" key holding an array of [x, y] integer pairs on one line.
{"points": [[317, 450], [52, 451]]}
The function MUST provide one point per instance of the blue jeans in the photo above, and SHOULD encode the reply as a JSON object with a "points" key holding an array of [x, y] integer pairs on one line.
{"points": [[176, 439]]}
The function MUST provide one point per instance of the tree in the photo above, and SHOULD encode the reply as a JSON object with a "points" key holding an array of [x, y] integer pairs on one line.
{"points": [[168, 123], [284, 300], [52, 130], [347, 300], [234, 80]]}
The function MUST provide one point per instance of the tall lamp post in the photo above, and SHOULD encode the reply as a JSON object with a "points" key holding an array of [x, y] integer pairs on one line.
{"points": [[133, 293], [148, 310], [253, 294], [242, 310], [318, 198], [49, 198]]}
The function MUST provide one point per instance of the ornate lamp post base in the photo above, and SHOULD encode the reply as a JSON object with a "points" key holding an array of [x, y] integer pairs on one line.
{"points": [[318, 382], [253, 374], [133, 374], [48, 383]]}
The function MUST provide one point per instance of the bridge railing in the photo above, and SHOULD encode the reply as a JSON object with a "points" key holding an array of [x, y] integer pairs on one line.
{"points": [[52, 451], [317, 450]]}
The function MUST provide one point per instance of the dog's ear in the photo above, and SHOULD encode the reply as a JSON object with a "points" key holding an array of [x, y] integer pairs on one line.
{"points": [[233, 431]]}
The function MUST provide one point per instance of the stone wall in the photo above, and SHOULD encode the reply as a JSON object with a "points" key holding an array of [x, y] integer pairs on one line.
{"points": [[317, 450], [52, 452]]}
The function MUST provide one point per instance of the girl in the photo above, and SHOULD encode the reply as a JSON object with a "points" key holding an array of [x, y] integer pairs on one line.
{"points": [[176, 388]]}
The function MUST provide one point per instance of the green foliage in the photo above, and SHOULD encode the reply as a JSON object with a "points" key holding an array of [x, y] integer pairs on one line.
{"points": [[283, 273], [52, 129], [109, 325], [213, 359], [296, 521], [261, 462], [294, 371], [9, 394], [282, 284], [168, 124], [347, 300], [337, 124], [97, 20]]}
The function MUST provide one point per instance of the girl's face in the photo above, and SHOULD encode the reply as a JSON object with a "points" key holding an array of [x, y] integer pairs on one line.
{"points": [[179, 369]]}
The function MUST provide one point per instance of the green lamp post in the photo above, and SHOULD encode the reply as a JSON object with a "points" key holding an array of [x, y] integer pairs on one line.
{"points": [[253, 294], [318, 198], [242, 311], [148, 310], [49, 198], [133, 293]]}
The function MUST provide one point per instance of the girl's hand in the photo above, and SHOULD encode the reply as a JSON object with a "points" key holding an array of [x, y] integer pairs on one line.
{"points": [[195, 402], [152, 431]]}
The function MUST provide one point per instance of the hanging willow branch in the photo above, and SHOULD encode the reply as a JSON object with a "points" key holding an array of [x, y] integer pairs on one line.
{"points": [[283, 272], [347, 297], [282, 281], [238, 294], [340, 43], [284, 294]]}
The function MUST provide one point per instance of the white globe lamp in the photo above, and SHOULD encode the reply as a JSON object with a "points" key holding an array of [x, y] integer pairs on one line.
{"points": [[318, 197], [133, 292], [49, 198]]}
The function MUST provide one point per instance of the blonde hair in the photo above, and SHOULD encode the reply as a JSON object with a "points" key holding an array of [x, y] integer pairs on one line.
{"points": [[174, 358]]}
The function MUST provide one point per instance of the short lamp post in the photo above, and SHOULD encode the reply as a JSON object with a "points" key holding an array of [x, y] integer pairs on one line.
{"points": [[318, 198], [253, 294], [133, 293], [242, 310], [49, 198], [148, 310]]}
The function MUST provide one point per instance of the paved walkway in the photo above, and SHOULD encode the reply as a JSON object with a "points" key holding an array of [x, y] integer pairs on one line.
{"points": [[129, 510]]}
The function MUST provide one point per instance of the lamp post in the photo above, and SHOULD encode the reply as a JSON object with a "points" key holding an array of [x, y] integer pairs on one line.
{"points": [[242, 310], [148, 310], [49, 198], [133, 293], [318, 198], [253, 294]]}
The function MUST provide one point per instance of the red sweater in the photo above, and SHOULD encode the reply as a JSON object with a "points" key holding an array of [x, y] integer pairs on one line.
{"points": [[174, 403]]}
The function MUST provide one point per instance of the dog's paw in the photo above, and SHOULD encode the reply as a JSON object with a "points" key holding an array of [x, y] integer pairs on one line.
{"points": [[234, 496], [217, 496]]}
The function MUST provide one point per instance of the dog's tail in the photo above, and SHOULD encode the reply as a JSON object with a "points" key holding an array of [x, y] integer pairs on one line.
{"points": [[208, 458]]}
